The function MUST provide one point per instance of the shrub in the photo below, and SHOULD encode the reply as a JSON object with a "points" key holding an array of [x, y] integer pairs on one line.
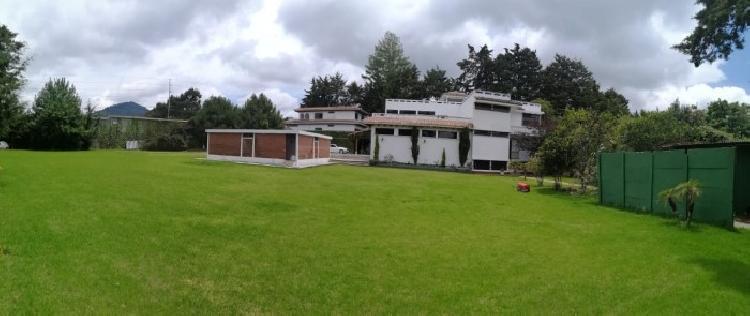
{"points": [[442, 159], [170, 140], [464, 144]]}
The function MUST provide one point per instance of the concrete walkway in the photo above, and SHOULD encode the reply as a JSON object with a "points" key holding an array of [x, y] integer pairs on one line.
{"points": [[742, 225]]}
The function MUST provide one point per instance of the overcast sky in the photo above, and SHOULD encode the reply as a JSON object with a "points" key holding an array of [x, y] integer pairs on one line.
{"points": [[128, 50]]}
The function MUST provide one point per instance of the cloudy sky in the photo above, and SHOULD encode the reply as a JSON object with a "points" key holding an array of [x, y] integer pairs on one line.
{"points": [[116, 51]]}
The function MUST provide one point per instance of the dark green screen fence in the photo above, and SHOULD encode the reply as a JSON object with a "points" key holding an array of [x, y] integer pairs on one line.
{"points": [[634, 180]]}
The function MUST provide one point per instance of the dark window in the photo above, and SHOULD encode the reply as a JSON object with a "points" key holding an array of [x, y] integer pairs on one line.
{"points": [[479, 132], [491, 107], [318, 115], [500, 134], [247, 135], [404, 132], [497, 165], [391, 111], [483, 106], [330, 112], [384, 131], [330, 125], [407, 112], [426, 112], [428, 133], [447, 134], [529, 119], [481, 164]]}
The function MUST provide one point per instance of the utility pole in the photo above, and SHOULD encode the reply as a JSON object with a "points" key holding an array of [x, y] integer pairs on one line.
{"points": [[169, 98]]}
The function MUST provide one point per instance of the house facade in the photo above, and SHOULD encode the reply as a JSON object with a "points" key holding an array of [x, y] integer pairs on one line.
{"points": [[338, 119], [286, 148], [493, 119]]}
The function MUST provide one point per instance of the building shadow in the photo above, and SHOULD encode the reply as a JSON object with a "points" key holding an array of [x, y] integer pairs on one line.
{"points": [[728, 273]]}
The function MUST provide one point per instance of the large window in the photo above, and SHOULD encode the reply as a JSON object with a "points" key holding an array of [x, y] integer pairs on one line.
{"points": [[318, 115], [428, 133], [384, 131], [479, 132], [407, 112], [530, 119], [391, 111], [426, 112], [404, 132], [448, 134], [491, 107], [494, 165]]}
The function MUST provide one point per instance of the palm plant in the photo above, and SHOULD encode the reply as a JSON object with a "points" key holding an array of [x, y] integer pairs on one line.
{"points": [[688, 191], [669, 198]]}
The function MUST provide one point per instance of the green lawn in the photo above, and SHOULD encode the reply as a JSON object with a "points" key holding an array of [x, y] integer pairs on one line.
{"points": [[158, 233]]}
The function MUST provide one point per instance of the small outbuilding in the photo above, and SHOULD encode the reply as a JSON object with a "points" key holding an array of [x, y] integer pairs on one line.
{"points": [[287, 148]]}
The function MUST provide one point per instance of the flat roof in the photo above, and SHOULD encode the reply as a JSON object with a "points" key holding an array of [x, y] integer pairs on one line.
{"points": [[416, 120], [331, 108], [268, 131]]}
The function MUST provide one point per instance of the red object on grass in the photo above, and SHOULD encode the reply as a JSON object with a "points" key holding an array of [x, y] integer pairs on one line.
{"points": [[523, 187]]}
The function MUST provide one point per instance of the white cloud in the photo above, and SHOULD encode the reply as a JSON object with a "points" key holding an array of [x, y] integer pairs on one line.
{"points": [[125, 51]]}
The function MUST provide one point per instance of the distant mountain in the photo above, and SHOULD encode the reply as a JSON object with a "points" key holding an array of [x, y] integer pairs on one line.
{"points": [[129, 108]]}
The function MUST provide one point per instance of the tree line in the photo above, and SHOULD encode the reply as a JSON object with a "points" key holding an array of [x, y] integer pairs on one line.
{"points": [[566, 82], [55, 120]]}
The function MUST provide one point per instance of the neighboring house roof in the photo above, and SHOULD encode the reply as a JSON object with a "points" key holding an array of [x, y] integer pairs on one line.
{"points": [[160, 119], [268, 131], [332, 108], [324, 121], [417, 121]]}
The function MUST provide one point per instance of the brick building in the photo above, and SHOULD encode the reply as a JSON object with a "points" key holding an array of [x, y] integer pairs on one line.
{"points": [[288, 148]]}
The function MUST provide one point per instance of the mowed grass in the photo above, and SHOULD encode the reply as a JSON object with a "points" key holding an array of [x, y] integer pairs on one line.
{"points": [[159, 233]]}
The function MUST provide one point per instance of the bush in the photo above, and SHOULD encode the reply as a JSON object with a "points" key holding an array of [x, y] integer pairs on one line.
{"points": [[170, 140]]}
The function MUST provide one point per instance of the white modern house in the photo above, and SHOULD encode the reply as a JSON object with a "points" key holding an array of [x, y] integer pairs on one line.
{"points": [[492, 118], [347, 118]]}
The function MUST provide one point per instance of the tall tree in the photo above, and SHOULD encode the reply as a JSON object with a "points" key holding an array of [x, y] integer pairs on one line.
{"points": [[568, 84], [720, 30], [611, 102], [519, 72], [731, 117], [216, 112], [434, 83], [183, 106], [259, 112], [356, 92], [326, 91], [477, 71], [12, 65], [57, 121], [388, 74]]}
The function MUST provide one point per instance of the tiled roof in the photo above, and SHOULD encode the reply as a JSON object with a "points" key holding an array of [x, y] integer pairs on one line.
{"points": [[416, 120]]}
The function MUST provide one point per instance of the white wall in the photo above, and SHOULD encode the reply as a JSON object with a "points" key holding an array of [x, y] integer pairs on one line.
{"points": [[439, 107], [431, 151], [490, 148], [398, 146], [492, 121]]}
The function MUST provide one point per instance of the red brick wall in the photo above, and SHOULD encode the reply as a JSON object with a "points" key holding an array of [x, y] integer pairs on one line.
{"points": [[270, 146], [325, 148], [305, 149], [227, 144]]}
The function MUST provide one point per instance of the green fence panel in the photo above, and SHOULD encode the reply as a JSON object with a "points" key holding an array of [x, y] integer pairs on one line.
{"points": [[611, 179], [714, 169], [742, 180], [670, 169], [637, 175]]}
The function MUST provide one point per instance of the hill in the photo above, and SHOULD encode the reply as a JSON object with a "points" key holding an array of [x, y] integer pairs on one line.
{"points": [[129, 108]]}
